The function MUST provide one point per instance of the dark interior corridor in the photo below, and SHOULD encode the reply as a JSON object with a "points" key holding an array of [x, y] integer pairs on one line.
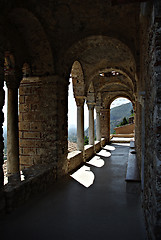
{"points": [[71, 211]]}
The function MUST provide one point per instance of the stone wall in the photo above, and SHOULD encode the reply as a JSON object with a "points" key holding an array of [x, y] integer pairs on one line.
{"points": [[97, 146], [129, 128], [75, 159], [151, 73], [37, 179], [42, 122], [89, 151]]}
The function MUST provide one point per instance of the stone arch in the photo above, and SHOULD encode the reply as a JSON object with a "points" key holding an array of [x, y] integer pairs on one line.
{"points": [[98, 52], [77, 79], [91, 94], [36, 47], [100, 81], [109, 100]]}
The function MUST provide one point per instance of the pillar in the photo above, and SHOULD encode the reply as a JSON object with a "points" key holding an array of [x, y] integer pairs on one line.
{"points": [[12, 132], [91, 124], [98, 124], [105, 124], [80, 124]]}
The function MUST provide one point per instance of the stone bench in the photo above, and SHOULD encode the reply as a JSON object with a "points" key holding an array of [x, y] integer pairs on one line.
{"points": [[132, 175]]}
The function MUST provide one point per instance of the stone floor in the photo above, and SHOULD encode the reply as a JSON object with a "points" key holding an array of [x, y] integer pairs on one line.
{"points": [[69, 210]]}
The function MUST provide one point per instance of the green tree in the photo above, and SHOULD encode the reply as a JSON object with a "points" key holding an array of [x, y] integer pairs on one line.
{"points": [[124, 121], [132, 113], [86, 140]]}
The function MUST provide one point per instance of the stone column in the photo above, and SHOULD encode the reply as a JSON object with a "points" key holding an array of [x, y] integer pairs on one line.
{"points": [[80, 124], [105, 124], [91, 123], [12, 132], [98, 124]]}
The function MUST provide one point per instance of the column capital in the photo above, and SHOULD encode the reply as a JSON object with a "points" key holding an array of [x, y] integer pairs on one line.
{"points": [[91, 105], [11, 81], [79, 101]]}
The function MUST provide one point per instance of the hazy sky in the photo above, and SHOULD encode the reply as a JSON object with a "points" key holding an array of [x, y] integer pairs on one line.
{"points": [[72, 109]]}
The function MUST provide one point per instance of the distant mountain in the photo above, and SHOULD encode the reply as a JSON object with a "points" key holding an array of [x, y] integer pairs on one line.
{"points": [[118, 113], [72, 134], [116, 116]]}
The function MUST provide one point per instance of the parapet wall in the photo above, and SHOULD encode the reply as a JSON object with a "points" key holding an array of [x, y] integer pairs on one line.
{"points": [[37, 179], [126, 129]]}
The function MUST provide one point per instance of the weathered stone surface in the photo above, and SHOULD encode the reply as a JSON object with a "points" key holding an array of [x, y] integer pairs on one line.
{"points": [[111, 49]]}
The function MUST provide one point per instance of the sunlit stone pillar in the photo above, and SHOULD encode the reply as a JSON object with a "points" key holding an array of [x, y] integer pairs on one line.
{"points": [[80, 123], [91, 123], [12, 132], [98, 124]]}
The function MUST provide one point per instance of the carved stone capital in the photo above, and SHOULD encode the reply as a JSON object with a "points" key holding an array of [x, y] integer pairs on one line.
{"points": [[91, 105], [80, 100]]}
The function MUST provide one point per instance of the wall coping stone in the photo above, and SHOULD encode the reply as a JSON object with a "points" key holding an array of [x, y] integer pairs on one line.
{"points": [[73, 154], [88, 146]]}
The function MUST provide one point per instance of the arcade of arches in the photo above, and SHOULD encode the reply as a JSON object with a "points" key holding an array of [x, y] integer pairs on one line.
{"points": [[111, 49]]}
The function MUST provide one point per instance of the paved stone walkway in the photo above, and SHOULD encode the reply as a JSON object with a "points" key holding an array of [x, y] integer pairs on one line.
{"points": [[69, 210]]}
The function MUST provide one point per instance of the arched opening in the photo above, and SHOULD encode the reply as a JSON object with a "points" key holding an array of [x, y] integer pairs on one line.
{"points": [[10, 133], [76, 101], [122, 117], [72, 119]]}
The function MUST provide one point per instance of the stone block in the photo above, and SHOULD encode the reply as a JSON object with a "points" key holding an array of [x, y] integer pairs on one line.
{"points": [[21, 99], [29, 151], [30, 143], [24, 126], [35, 126], [26, 160], [25, 90], [23, 108], [29, 116], [31, 135], [32, 99]]}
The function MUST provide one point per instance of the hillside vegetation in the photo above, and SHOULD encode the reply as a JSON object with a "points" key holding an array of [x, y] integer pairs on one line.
{"points": [[116, 116], [118, 113]]}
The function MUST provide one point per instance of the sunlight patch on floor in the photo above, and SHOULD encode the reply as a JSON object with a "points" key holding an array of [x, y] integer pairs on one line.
{"points": [[104, 153], [84, 176], [96, 161], [110, 148]]}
